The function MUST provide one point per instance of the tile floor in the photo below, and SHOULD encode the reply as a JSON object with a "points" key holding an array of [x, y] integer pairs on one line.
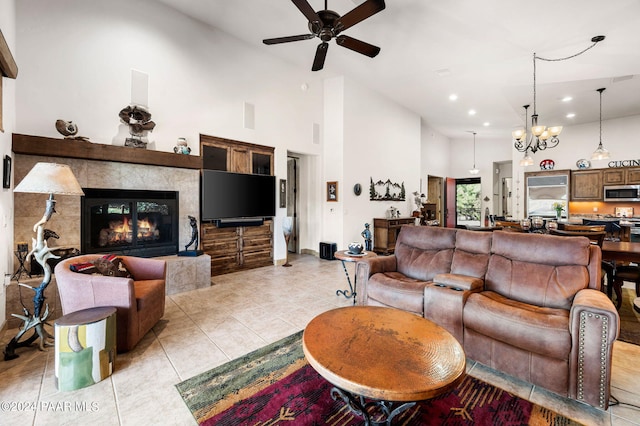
{"points": [[205, 328]]}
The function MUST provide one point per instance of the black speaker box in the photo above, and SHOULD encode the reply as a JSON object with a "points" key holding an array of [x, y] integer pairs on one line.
{"points": [[327, 250]]}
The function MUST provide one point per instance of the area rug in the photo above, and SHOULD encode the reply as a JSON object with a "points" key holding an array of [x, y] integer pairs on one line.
{"points": [[275, 386], [629, 318]]}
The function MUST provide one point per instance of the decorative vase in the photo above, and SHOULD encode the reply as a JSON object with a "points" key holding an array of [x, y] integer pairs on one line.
{"points": [[558, 214], [355, 248]]}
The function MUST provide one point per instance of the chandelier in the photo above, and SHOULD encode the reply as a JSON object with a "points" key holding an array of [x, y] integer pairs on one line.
{"points": [[541, 137], [474, 171], [601, 152]]}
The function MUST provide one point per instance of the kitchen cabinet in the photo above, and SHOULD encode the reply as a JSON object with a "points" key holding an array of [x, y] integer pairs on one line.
{"points": [[621, 176], [586, 185]]}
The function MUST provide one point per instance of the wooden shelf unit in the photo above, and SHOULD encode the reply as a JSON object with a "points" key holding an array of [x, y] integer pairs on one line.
{"points": [[239, 247], [236, 248], [385, 233]]}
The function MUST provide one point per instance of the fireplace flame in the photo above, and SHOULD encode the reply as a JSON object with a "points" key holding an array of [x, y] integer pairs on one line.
{"points": [[121, 232]]}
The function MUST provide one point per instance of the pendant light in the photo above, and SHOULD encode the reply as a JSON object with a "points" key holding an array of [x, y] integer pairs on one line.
{"points": [[541, 137], [601, 152], [474, 171]]}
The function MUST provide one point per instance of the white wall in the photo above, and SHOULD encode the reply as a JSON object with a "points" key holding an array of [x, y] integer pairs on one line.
{"points": [[76, 59], [7, 25], [381, 141], [435, 157]]}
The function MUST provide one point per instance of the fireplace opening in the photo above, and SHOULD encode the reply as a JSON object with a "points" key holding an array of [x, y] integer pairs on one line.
{"points": [[129, 222]]}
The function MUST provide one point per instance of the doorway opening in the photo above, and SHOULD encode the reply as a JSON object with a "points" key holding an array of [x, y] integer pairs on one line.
{"points": [[468, 202], [293, 182]]}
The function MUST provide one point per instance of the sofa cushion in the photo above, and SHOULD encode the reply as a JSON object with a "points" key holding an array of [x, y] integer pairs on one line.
{"points": [[472, 252], [543, 331], [425, 251], [540, 270], [397, 290]]}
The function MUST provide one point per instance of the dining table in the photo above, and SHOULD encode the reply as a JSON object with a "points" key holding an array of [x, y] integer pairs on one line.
{"points": [[619, 251]]}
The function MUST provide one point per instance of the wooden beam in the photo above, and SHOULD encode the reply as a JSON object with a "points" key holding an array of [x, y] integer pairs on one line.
{"points": [[72, 148], [8, 65]]}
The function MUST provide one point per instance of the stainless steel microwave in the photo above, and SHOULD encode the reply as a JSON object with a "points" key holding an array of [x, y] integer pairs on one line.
{"points": [[622, 193]]}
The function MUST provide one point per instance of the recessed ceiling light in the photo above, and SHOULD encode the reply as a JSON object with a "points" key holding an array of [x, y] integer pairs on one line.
{"points": [[567, 99], [486, 124], [472, 112], [571, 115], [453, 97]]}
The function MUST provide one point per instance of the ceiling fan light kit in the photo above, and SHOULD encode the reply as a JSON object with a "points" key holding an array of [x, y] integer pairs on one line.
{"points": [[327, 25], [541, 137]]}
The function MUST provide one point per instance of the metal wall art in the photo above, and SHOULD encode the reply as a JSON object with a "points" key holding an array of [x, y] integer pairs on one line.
{"points": [[386, 191]]}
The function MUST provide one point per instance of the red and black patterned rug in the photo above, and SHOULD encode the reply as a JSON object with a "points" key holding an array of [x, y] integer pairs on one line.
{"points": [[275, 386]]}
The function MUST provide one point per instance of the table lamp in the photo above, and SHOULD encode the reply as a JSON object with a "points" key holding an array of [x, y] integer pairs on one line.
{"points": [[43, 178]]}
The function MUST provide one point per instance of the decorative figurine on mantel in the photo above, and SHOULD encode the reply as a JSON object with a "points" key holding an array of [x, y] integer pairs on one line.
{"points": [[194, 239], [366, 234], [139, 120], [182, 147], [69, 130]]}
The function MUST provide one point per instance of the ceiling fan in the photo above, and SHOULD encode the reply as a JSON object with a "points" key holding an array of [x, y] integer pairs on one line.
{"points": [[327, 24]]}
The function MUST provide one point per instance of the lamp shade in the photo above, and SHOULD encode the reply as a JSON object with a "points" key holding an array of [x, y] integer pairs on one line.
{"points": [[50, 178]]}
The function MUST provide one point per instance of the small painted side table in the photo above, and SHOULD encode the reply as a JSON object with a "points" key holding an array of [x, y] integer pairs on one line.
{"points": [[85, 347], [346, 256]]}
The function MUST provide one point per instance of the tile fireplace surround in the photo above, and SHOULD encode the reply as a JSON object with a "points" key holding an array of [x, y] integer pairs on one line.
{"points": [[29, 208]]}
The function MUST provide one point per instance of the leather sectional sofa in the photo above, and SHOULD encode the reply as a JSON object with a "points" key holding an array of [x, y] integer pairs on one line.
{"points": [[529, 305]]}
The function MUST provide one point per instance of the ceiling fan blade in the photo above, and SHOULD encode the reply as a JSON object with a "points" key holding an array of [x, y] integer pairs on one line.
{"points": [[288, 39], [359, 14], [358, 46], [321, 54], [307, 10]]}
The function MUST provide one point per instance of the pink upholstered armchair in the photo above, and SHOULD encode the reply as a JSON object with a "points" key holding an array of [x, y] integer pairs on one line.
{"points": [[139, 300]]}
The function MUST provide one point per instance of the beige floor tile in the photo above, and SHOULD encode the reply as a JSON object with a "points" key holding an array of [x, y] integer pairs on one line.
{"points": [[240, 312]]}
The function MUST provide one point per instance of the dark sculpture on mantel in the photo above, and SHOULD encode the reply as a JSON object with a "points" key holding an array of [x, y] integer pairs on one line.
{"points": [[194, 239], [138, 118]]}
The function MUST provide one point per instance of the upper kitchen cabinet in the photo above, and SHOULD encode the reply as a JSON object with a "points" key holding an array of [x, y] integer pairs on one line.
{"points": [[586, 185], [235, 156], [621, 176]]}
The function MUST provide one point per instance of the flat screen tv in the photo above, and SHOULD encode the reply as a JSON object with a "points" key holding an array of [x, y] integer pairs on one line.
{"points": [[226, 195]]}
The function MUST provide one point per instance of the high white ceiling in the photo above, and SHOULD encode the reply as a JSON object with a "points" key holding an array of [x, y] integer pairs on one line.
{"points": [[481, 51]]}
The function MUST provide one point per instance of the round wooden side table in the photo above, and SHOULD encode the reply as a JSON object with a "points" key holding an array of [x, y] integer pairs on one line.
{"points": [[346, 256], [85, 347]]}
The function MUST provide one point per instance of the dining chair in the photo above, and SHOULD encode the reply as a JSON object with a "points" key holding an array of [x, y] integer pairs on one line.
{"points": [[611, 227], [508, 225], [590, 228]]}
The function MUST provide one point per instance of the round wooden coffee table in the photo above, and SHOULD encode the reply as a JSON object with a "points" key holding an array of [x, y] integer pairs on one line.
{"points": [[389, 356]]}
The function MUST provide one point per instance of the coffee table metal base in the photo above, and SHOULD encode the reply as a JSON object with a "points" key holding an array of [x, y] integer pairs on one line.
{"points": [[387, 410]]}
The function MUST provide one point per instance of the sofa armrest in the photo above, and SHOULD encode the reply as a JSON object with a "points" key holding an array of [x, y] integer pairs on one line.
{"points": [[594, 325], [459, 282], [366, 268]]}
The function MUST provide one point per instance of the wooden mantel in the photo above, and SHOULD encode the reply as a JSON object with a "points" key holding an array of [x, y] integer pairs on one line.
{"points": [[71, 148]]}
